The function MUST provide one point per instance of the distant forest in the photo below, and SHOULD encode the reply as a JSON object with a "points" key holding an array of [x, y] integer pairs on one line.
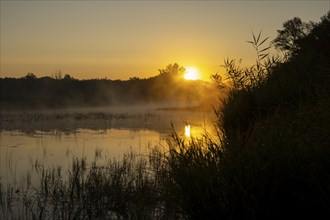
{"points": [[30, 92]]}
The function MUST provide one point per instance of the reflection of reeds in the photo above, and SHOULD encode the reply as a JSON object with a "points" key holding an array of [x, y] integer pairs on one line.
{"points": [[33, 117], [69, 122], [35, 123]]}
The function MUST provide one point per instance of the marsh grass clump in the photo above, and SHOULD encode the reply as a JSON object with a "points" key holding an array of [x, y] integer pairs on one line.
{"points": [[124, 188], [194, 168]]}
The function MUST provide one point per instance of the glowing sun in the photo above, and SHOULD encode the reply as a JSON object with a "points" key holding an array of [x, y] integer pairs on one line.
{"points": [[191, 73]]}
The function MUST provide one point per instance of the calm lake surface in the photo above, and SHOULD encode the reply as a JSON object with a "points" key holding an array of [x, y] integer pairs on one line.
{"points": [[53, 138]]}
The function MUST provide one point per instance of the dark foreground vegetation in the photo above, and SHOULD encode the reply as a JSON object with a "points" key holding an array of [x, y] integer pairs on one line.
{"points": [[55, 92], [271, 160]]}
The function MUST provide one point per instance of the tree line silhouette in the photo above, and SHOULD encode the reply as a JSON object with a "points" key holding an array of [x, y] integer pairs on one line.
{"points": [[30, 92]]}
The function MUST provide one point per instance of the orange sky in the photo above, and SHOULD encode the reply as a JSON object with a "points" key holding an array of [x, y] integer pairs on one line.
{"points": [[118, 40]]}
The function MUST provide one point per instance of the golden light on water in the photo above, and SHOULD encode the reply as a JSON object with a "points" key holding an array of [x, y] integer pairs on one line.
{"points": [[187, 130], [192, 73]]}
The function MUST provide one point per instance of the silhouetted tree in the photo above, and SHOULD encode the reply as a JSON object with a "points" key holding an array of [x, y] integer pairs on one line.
{"points": [[57, 74], [30, 76], [293, 30], [67, 77], [318, 40], [172, 70]]}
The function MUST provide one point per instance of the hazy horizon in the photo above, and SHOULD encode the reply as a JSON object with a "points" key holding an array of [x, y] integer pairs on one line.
{"points": [[119, 40]]}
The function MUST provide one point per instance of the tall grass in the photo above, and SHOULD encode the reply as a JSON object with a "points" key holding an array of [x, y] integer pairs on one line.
{"points": [[117, 189]]}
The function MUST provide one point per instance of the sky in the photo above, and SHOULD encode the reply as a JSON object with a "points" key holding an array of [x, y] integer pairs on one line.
{"points": [[123, 39]]}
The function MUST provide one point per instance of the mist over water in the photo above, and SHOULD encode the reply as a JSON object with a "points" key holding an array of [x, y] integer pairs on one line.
{"points": [[53, 137]]}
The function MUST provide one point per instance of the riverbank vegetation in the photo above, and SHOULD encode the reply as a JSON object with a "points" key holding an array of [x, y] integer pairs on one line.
{"points": [[271, 158]]}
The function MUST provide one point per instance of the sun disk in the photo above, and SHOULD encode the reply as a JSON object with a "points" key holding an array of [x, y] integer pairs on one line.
{"points": [[191, 73]]}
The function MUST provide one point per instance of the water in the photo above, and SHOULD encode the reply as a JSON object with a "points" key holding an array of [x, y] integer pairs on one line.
{"points": [[51, 139]]}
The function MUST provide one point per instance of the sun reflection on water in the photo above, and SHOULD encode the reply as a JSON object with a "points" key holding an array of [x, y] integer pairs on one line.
{"points": [[187, 130]]}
